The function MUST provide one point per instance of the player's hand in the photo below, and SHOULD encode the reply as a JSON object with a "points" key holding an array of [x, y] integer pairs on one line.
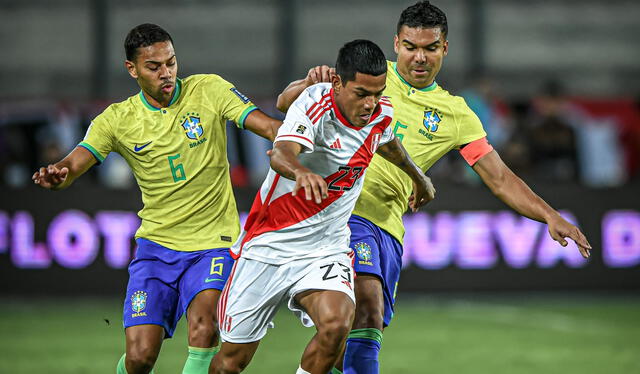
{"points": [[314, 186], [319, 74], [50, 177], [423, 192], [560, 229]]}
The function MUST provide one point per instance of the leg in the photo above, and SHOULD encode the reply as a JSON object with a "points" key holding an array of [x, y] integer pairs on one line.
{"points": [[332, 312], [200, 288], [143, 344], [202, 319], [233, 358]]}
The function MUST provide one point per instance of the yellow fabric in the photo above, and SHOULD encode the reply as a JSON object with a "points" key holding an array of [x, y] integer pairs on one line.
{"points": [[183, 173], [429, 122]]}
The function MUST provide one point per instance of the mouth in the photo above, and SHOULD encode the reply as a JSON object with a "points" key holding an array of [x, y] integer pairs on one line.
{"points": [[365, 117], [167, 88]]}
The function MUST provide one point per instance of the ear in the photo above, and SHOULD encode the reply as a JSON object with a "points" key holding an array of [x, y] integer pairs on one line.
{"points": [[446, 47], [131, 68], [395, 43], [336, 82]]}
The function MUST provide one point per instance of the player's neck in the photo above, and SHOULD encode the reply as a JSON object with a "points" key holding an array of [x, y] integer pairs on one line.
{"points": [[162, 103]]}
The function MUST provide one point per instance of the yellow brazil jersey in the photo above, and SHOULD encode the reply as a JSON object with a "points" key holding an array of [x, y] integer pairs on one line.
{"points": [[178, 155], [429, 122]]}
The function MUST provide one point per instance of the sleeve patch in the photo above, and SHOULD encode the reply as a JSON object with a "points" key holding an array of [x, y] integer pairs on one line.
{"points": [[475, 150], [242, 97]]}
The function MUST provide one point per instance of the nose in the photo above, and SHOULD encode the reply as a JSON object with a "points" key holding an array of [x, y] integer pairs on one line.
{"points": [[369, 102], [420, 57], [164, 72]]}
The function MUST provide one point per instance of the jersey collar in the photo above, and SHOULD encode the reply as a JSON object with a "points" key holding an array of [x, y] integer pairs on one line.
{"points": [[174, 98], [430, 87]]}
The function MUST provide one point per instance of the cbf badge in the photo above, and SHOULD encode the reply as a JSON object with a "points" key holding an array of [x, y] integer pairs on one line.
{"points": [[431, 119], [363, 251], [192, 127], [138, 303]]}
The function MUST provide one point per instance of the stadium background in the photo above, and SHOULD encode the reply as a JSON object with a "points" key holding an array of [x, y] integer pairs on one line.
{"points": [[555, 83]]}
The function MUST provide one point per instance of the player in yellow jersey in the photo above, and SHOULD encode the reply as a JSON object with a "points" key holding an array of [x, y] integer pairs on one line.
{"points": [[173, 136], [430, 122]]}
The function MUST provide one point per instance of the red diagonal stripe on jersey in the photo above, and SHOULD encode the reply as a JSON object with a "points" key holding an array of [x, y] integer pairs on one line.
{"points": [[288, 210], [316, 104], [321, 105], [320, 114]]}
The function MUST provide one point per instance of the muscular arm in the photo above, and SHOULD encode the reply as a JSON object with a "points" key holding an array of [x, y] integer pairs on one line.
{"points": [[261, 124], [284, 161], [294, 89], [423, 190], [60, 175], [509, 188]]}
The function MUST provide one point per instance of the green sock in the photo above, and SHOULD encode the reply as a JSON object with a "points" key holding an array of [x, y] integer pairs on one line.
{"points": [[199, 360], [335, 371], [121, 368]]}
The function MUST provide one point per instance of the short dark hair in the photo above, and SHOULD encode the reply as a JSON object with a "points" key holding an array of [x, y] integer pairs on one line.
{"points": [[360, 56], [143, 36], [424, 15]]}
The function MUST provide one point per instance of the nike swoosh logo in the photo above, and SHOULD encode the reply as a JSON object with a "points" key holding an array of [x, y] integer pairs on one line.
{"points": [[138, 149], [213, 280]]}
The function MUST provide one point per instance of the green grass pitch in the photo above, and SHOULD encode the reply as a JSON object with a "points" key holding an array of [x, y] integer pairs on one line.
{"points": [[516, 334]]}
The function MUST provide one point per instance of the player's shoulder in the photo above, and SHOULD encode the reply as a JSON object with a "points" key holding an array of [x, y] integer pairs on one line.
{"points": [[204, 80], [116, 112], [313, 97]]}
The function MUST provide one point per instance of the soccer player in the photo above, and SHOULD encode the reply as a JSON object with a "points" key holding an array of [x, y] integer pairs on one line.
{"points": [[429, 122], [295, 244], [173, 136]]}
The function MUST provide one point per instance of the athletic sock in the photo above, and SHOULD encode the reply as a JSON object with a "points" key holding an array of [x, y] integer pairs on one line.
{"points": [[301, 371], [121, 368], [199, 360], [335, 371], [361, 355]]}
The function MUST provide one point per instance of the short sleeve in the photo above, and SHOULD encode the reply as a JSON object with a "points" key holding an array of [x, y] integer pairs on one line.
{"points": [[231, 103], [387, 134], [469, 125], [99, 138], [297, 127]]}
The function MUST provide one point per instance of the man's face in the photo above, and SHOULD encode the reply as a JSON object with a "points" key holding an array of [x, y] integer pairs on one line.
{"points": [[357, 99], [155, 68], [420, 54]]}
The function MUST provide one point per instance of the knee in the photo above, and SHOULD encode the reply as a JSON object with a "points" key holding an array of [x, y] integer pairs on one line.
{"points": [[335, 329], [141, 358], [369, 314], [203, 329], [227, 365]]}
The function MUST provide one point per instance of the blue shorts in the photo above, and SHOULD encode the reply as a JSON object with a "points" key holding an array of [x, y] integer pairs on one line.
{"points": [[162, 282], [377, 253]]}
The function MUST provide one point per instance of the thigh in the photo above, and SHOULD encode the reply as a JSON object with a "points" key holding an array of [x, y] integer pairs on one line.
{"points": [[333, 274], [143, 340], [370, 304], [250, 300], [326, 306]]}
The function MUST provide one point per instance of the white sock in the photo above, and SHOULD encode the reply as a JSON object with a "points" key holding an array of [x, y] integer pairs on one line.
{"points": [[301, 371]]}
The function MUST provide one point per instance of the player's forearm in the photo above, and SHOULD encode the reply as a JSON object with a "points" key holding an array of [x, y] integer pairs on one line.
{"points": [[397, 155], [285, 163], [518, 196], [289, 95]]}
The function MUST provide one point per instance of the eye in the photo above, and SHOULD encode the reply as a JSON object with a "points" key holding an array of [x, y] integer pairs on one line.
{"points": [[152, 68]]}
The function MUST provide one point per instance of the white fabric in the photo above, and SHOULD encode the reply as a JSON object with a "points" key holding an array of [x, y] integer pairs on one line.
{"points": [[257, 289]]}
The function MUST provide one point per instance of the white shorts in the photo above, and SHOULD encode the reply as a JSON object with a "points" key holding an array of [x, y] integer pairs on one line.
{"points": [[255, 289]]}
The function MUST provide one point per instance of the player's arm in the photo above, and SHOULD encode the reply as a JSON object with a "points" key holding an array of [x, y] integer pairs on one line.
{"points": [[509, 188], [423, 190], [261, 124], [315, 75], [284, 161], [61, 174]]}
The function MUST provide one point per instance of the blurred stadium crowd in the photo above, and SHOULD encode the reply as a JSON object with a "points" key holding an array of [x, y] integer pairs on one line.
{"points": [[551, 137]]}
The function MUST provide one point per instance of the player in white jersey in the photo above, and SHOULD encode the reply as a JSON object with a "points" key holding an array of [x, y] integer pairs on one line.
{"points": [[295, 244]]}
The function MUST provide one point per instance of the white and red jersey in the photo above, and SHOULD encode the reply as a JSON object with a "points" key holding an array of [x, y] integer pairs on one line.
{"points": [[282, 227]]}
